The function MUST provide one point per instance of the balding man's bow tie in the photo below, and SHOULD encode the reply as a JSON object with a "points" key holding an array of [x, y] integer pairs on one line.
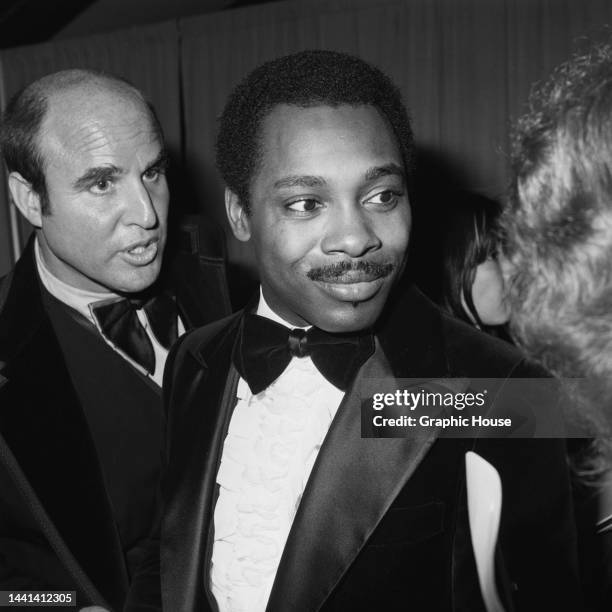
{"points": [[265, 348], [119, 323]]}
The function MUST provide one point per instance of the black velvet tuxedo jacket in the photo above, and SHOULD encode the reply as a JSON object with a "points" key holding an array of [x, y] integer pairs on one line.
{"points": [[383, 523], [56, 522]]}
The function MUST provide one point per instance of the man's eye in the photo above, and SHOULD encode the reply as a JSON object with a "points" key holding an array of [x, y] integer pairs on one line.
{"points": [[102, 186], [304, 206], [384, 198], [152, 174]]}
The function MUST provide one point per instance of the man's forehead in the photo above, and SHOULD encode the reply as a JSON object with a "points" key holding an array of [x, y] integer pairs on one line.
{"points": [[291, 119], [78, 125], [302, 136]]}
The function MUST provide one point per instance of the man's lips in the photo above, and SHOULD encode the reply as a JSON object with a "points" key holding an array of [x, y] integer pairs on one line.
{"points": [[352, 290], [142, 252], [351, 281]]}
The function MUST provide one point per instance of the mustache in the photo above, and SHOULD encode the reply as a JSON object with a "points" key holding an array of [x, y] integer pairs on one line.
{"points": [[336, 270]]}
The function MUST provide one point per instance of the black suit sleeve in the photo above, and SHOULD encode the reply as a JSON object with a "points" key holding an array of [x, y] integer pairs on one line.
{"points": [[27, 561]]}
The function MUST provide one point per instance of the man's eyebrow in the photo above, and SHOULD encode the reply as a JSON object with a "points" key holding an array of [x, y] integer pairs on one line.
{"points": [[161, 161], [300, 181], [388, 169], [92, 175]]}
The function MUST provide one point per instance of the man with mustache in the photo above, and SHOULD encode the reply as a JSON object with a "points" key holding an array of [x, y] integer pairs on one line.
{"points": [[273, 500], [86, 321]]}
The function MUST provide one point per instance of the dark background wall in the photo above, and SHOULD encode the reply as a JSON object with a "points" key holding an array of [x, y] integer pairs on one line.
{"points": [[465, 68]]}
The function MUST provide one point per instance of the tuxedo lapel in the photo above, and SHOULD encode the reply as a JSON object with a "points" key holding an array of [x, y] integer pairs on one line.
{"points": [[410, 336], [39, 398], [202, 397]]}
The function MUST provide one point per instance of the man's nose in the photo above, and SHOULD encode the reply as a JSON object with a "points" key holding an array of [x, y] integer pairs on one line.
{"points": [[140, 209], [350, 232]]}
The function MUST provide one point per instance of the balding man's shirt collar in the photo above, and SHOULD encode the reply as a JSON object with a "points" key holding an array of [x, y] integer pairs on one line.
{"points": [[77, 299]]}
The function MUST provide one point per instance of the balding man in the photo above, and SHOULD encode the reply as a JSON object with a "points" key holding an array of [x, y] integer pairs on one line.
{"points": [[86, 321]]}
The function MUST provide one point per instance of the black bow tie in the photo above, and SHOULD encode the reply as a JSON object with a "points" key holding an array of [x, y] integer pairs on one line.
{"points": [[265, 348], [119, 323]]}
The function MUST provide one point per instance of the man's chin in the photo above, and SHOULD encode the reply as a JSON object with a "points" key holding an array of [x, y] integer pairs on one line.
{"points": [[350, 317], [135, 284]]}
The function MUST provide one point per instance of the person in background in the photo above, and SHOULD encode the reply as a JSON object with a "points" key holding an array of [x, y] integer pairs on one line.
{"points": [[558, 229], [87, 317], [473, 286]]}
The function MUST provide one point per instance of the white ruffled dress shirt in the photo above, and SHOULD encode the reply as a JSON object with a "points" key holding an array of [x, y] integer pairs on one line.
{"points": [[271, 446], [81, 301]]}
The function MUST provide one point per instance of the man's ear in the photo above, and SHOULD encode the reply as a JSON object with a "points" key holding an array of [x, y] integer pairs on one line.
{"points": [[25, 198], [237, 215]]}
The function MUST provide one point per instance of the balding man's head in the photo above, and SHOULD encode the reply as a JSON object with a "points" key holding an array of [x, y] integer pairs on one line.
{"points": [[87, 170], [67, 91]]}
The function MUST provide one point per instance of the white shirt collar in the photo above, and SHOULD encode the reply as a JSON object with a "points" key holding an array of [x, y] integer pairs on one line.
{"points": [[78, 299], [264, 310]]}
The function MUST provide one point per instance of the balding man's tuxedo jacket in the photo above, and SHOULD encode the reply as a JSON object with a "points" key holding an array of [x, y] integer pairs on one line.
{"points": [[57, 527], [383, 523]]}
